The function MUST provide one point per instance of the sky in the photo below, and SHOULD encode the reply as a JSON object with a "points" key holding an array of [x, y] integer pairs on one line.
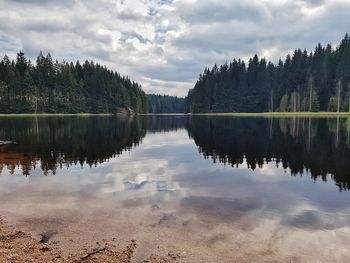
{"points": [[165, 44]]}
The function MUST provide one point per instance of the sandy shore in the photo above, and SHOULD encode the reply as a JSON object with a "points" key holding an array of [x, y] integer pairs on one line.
{"points": [[19, 246]]}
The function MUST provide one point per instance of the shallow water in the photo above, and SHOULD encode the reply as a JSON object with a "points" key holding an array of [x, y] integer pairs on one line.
{"points": [[209, 188]]}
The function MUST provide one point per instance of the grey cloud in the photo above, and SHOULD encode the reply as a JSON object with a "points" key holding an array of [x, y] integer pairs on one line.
{"points": [[221, 11], [223, 209], [99, 53], [287, 28], [315, 220], [8, 44], [179, 89], [313, 2], [172, 72], [44, 2], [130, 15], [128, 35], [47, 26], [212, 38]]}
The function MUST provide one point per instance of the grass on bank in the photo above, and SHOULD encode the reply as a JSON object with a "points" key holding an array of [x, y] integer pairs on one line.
{"points": [[228, 114], [55, 114], [277, 114]]}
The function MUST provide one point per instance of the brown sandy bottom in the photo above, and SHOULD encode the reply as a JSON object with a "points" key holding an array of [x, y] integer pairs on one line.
{"points": [[19, 246]]}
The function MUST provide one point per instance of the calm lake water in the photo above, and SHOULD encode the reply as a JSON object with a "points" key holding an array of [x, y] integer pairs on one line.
{"points": [[214, 189]]}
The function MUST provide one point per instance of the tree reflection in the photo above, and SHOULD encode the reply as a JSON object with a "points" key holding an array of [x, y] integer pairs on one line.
{"points": [[56, 142], [63, 141], [315, 146]]}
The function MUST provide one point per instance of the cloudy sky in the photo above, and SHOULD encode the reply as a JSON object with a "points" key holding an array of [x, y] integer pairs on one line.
{"points": [[166, 44]]}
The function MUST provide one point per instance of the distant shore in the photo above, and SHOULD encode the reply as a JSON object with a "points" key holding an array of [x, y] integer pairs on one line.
{"points": [[228, 114], [277, 114], [59, 114]]}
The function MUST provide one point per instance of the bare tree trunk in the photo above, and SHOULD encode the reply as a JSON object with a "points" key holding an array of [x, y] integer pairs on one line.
{"points": [[348, 130], [339, 87], [311, 84], [309, 136], [349, 95], [36, 99], [294, 101], [271, 94], [298, 98]]}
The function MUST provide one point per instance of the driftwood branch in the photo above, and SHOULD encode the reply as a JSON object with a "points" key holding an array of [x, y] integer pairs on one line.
{"points": [[93, 253]]}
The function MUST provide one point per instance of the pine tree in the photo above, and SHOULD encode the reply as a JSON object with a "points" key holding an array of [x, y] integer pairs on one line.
{"points": [[302, 82]]}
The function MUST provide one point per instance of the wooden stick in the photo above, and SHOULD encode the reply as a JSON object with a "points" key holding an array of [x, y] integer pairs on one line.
{"points": [[93, 253]]}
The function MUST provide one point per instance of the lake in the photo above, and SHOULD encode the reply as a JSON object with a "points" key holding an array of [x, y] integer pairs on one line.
{"points": [[212, 189]]}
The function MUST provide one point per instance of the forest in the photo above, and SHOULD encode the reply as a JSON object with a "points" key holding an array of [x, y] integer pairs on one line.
{"points": [[165, 104], [53, 87], [61, 87], [302, 82]]}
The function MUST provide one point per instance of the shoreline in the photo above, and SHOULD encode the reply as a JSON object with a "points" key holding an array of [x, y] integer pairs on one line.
{"points": [[228, 114], [276, 114], [221, 114], [57, 114], [42, 115]]}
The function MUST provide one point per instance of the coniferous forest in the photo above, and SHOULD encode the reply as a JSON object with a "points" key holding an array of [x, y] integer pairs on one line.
{"points": [[316, 81], [165, 104], [53, 87]]}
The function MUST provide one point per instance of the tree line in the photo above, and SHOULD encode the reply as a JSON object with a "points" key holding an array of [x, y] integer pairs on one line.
{"points": [[303, 81], [61, 87], [165, 104]]}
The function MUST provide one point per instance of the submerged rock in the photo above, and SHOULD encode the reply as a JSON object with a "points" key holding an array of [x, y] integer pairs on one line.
{"points": [[46, 236]]}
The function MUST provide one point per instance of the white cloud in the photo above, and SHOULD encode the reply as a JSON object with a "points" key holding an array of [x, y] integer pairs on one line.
{"points": [[166, 44]]}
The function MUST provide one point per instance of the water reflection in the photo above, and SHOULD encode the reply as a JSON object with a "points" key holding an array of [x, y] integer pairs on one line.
{"points": [[52, 142], [314, 146], [62, 141]]}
